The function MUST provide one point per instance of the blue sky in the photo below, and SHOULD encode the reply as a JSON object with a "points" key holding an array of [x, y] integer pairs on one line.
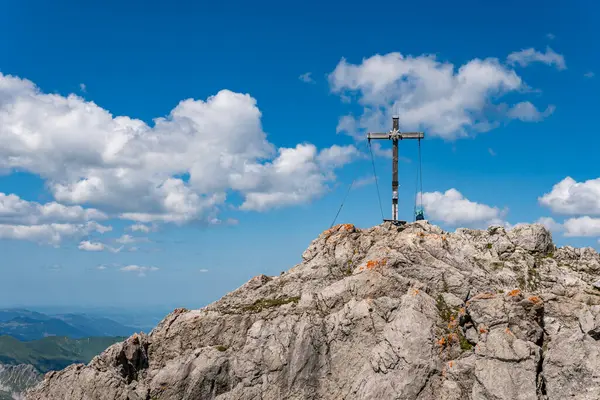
{"points": [[238, 179]]}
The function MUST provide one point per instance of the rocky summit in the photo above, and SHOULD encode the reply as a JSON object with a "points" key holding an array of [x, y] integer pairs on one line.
{"points": [[408, 312]]}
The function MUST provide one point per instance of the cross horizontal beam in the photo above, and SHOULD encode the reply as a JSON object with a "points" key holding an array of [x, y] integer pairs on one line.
{"points": [[396, 135]]}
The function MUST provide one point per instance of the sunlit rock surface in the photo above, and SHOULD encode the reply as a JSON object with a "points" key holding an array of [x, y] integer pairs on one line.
{"points": [[389, 312]]}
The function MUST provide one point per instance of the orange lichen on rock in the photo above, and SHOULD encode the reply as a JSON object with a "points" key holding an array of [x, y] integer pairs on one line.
{"points": [[415, 292], [483, 329], [535, 300], [508, 331], [480, 296], [450, 364], [453, 322], [371, 264], [514, 292], [447, 340], [346, 227]]}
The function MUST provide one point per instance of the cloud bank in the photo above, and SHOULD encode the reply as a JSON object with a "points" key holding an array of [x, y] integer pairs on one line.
{"points": [[181, 168], [432, 95]]}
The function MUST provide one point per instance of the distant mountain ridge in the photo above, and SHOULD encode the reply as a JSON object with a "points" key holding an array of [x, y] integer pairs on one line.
{"points": [[142, 317], [7, 314], [52, 353], [33, 343], [96, 326], [22, 364], [29, 325]]}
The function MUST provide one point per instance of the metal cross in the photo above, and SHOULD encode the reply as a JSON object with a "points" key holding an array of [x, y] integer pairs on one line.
{"points": [[394, 135]]}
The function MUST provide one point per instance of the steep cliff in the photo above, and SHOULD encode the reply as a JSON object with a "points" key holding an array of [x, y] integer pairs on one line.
{"points": [[408, 312]]}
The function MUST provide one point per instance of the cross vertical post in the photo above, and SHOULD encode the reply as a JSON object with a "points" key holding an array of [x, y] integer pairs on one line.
{"points": [[395, 135], [395, 171]]}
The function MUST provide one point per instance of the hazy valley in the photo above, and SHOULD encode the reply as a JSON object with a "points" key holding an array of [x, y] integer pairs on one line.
{"points": [[33, 343]]}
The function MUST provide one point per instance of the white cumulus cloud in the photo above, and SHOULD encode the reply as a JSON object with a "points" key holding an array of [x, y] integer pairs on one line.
{"points": [[528, 56], [295, 176], [176, 170], [140, 228], [582, 226], [550, 223], [15, 210], [306, 77], [452, 208], [52, 234], [91, 246], [425, 93], [527, 112], [336, 156], [140, 270], [87, 245], [128, 239], [574, 198]]}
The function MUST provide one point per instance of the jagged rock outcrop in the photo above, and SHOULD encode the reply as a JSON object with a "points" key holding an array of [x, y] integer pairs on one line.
{"points": [[408, 312]]}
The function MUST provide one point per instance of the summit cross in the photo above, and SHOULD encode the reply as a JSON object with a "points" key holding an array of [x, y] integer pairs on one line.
{"points": [[395, 135]]}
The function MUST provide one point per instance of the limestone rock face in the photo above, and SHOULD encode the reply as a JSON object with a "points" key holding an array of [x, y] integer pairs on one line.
{"points": [[408, 312]]}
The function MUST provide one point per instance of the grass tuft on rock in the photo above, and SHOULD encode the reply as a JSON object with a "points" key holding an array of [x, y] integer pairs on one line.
{"points": [[464, 343], [444, 309], [262, 304]]}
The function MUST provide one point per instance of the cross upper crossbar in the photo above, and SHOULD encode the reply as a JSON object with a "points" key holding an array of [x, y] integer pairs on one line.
{"points": [[396, 135]]}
